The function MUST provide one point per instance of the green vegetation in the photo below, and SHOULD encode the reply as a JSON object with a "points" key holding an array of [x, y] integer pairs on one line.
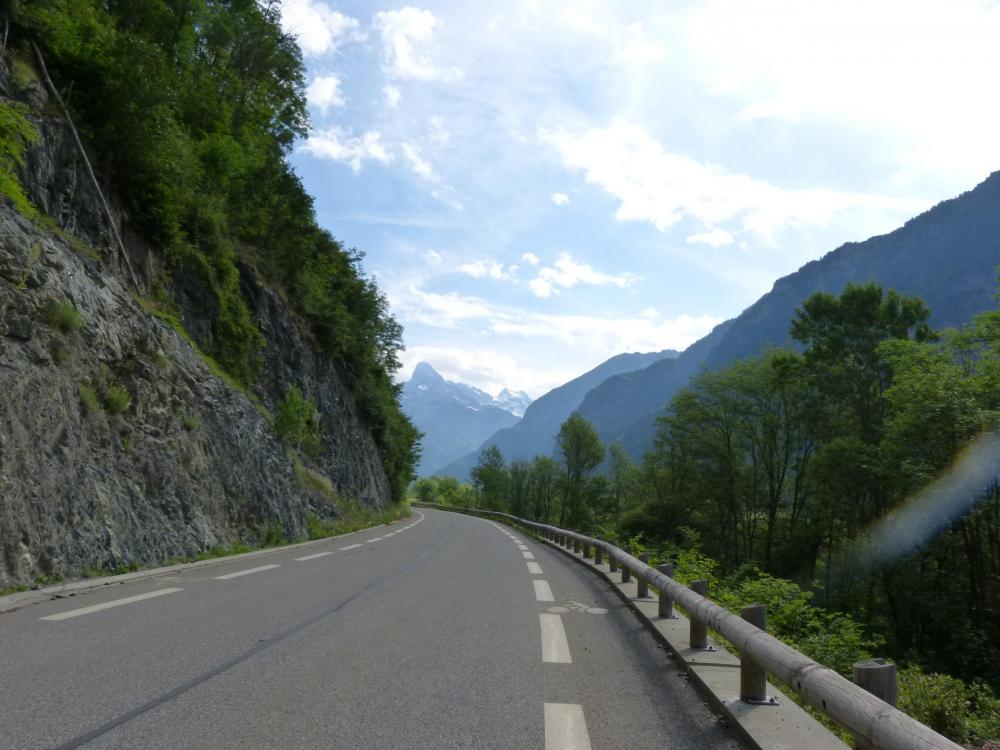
{"points": [[17, 589], [89, 399], [16, 134], [768, 476], [193, 107], [116, 399], [296, 423], [191, 422], [63, 316]]}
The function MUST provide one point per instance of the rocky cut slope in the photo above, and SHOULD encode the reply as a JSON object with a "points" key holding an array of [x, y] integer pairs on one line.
{"points": [[119, 442]]}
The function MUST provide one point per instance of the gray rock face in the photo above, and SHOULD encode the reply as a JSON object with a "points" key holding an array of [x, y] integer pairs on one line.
{"points": [[190, 462]]}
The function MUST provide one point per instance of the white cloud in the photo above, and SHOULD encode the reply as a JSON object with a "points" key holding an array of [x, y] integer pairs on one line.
{"points": [[433, 257], [324, 92], [318, 27], [392, 95], [409, 47], [335, 145], [714, 237], [531, 259], [560, 199], [661, 188], [417, 162], [566, 273], [482, 269]]}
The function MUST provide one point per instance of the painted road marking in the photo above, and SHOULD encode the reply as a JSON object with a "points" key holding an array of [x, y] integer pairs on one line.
{"points": [[372, 541], [555, 648], [534, 568], [522, 547], [528, 556], [543, 592], [349, 546], [565, 727], [312, 557], [109, 605], [246, 572]]}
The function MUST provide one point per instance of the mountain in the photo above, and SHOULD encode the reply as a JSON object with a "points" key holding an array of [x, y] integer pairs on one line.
{"points": [[535, 433], [455, 418], [947, 256]]}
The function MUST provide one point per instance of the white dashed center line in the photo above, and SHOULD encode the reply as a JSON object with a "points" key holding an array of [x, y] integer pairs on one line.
{"points": [[528, 555], [543, 592], [109, 605], [565, 727], [246, 572], [349, 546], [555, 648]]}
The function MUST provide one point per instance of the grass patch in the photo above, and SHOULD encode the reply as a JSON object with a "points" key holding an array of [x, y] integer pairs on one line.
{"points": [[63, 316], [88, 398], [16, 589], [117, 570], [116, 399], [16, 134], [191, 422]]}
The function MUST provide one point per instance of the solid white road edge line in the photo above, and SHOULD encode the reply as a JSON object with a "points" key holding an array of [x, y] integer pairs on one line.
{"points": [[109, 605], [543, 592], [555, 648], [534, 568], [565, 727], [246, 572], [312, 557]]}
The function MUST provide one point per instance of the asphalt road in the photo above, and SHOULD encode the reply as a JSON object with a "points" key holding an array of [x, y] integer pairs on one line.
{"points": [[440, 631]]}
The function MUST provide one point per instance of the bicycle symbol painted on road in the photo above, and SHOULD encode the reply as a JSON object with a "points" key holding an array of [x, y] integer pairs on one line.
{"points": [[578, 607]]}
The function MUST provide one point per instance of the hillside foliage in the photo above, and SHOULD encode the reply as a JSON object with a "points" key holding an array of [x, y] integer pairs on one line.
{"points": [[190, 109]]}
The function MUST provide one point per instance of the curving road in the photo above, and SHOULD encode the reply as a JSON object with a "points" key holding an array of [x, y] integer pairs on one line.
{"points": [[440, 631]]}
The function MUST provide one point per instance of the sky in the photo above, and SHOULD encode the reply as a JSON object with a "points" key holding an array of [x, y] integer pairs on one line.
{"points": [[538, 186]]}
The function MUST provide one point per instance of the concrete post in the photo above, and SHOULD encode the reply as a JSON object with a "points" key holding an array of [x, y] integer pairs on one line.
{"points": [[666, 603], [641, 583], [699, 631], [598, 553], [753, 679]]}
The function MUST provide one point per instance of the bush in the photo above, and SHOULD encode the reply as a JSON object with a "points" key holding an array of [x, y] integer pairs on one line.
{"points": [[88, 397], [63, 317], [295, 423], [116, 399], [947, 705]]}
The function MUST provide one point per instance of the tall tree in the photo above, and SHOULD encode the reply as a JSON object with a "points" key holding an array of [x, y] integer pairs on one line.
{"points": [[581, 451]]}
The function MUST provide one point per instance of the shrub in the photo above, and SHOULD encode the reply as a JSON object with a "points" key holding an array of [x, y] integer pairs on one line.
{"points": [[88, 397], [116, 399], [295, 423], [63, 317], [191, 422]]}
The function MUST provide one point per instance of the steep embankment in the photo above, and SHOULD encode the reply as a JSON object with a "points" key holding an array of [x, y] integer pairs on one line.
{"points": [[120, 442]]}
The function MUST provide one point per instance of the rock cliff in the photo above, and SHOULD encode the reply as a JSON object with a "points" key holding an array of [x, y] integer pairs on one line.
{"points": [[118, 444]]}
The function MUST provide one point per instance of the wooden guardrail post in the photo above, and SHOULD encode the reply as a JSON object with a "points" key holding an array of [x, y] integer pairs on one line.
{"points": [[576, 546], [598, 552], [666, 602], [586, 549], [878, 677], [698, 637], [753, 679], [626, 574], [642, 585], [612, 563]]}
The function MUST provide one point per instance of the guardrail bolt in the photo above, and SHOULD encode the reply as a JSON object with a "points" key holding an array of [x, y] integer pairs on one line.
{"points": [[878, 677], [698, 637], [666, 603], [641, 583], [753, 679], [598, 552]]}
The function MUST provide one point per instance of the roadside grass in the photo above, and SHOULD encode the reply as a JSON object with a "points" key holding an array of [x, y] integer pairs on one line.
{"points": [[63, 316]]}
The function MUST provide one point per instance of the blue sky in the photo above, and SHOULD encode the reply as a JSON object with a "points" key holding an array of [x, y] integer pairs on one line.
{"points": [[541, 185]]}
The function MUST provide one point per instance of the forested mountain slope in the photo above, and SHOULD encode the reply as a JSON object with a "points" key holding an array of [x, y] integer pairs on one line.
{"points": [[188, 359], [947, 256], [535, 433]]}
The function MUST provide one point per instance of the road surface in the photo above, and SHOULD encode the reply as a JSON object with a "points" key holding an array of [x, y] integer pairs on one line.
{"points": [[439, 631]]}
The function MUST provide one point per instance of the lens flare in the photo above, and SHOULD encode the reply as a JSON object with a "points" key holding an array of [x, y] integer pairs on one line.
{"points": [[933, 509]]}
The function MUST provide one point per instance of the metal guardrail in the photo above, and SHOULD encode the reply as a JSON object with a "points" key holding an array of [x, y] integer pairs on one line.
{"points": [[873, 722]]}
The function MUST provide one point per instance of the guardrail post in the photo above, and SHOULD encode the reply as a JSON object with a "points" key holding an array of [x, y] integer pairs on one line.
{"points": [[598, 552], [698, 637], [626, 574], [586, 550], [753, 679], [612, 563], [576, 545], [666, 603], [878, 677], [641, 583]]}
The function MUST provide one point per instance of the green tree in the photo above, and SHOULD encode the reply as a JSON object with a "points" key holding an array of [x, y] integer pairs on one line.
{"points": [[491, 479], [581, 451]]}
